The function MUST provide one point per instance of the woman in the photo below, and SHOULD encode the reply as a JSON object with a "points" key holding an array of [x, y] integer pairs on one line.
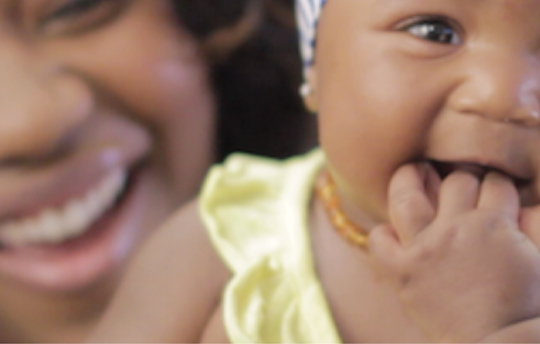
{"points": [[110, 114]]}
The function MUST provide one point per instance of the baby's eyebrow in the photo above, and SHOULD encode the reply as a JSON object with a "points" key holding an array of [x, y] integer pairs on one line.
{"points": [[423, 3]]}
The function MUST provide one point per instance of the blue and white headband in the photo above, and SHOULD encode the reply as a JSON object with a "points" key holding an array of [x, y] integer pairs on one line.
{"points": [[307, 17]]}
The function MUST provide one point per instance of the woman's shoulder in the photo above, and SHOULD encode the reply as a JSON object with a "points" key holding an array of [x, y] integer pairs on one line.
{"points": [[173, 286]]}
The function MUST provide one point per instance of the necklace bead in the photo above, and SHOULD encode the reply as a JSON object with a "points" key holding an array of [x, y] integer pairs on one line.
{"points": [[326, 193]]}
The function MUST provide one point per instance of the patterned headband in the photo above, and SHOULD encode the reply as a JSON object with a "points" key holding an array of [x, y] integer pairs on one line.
{"points": [[307, 16]]}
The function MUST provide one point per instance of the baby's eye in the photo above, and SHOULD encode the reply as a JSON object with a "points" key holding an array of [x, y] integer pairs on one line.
{"points": [[434, 30]]}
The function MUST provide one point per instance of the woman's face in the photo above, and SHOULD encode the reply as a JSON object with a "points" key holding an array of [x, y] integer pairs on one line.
{"points": [[106, 126]]}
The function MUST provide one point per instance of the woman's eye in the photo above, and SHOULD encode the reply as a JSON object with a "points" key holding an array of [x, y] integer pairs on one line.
{"points": [[75, 16], [434, 30], [75, 8]]}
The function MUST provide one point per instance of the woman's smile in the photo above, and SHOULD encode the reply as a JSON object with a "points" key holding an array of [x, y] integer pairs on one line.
{"points": [[79, 258], [64, 220], [54, 225]]}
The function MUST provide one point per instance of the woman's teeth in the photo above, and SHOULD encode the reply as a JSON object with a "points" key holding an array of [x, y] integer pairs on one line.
{"points": [[54, 225]]}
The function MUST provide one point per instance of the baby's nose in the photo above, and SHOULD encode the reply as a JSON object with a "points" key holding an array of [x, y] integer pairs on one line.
{"points": [[500, 86], [41, 105]]}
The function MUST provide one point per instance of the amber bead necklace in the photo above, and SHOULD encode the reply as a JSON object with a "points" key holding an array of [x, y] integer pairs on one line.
{"points": [[326, 192]]}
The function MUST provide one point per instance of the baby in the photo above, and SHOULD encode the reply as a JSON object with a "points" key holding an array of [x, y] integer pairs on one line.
{"points": [[412, 222]]}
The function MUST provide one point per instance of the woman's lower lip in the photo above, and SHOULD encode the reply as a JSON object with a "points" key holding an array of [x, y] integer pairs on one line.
{"points": [[79, 262]]}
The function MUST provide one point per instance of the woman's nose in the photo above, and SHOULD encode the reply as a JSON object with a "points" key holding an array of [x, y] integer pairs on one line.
{"points": [[500, 86], [41, 108]]}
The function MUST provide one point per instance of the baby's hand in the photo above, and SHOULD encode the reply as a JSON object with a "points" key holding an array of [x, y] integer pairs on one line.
{"points": [[461, 266], [530, 223]]}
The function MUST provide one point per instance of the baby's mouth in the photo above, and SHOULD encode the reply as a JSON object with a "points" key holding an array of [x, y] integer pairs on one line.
{"points": [[70, 220], [444, 169]]}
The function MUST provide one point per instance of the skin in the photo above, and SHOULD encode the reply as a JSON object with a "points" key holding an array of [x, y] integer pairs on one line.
{"points": [[471, 233], [474, 102], [114, 85], [454, 250]]}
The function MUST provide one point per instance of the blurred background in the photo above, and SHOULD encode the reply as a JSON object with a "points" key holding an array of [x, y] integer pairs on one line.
{"points": [[260, 108]]}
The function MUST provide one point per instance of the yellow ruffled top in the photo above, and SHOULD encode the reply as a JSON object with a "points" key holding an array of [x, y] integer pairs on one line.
{"points": [[256, 213]]}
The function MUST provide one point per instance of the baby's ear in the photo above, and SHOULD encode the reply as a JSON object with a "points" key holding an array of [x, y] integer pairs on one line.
{"points": [[309, 89]]}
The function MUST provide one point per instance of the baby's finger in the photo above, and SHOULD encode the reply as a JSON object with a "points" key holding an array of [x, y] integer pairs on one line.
{"points": [[498, 193], [432, 185], [529, 223], [384, 249], [410, 208], [458, 194]]}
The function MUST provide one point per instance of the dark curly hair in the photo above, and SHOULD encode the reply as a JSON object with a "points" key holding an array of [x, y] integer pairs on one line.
{"points": [[260, 110]]}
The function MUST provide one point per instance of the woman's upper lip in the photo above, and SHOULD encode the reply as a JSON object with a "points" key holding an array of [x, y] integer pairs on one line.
{"points": [[24, 192]]}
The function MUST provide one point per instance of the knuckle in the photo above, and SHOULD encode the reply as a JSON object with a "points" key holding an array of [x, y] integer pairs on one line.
{"points": [[405, 199], [492, 221], [410, 206], [403, 276], [425, 252]]}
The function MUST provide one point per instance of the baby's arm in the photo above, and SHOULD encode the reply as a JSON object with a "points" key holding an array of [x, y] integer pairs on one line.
{"points": [[171, 290], [462, 268]]}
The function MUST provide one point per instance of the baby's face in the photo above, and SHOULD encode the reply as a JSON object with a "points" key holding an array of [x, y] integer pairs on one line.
{"points": [[106, 126], [452, 82]]}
